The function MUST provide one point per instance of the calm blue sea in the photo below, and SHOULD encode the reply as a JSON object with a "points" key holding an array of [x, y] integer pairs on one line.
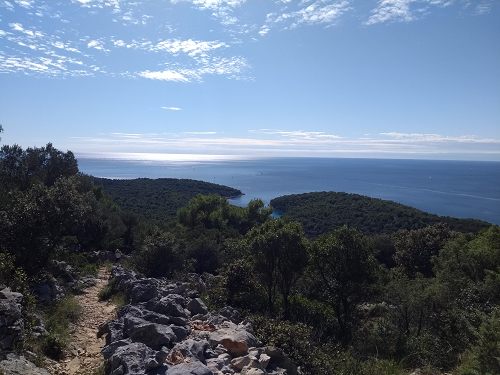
{"points": [[464, 189]]}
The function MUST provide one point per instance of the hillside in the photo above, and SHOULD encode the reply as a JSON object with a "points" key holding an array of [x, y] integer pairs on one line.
{"points": [[321, 212], [158, 200]]}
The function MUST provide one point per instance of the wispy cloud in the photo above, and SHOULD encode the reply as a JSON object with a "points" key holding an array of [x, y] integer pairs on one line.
{"points": [[297, 134], [232, 68], [44, 37], [417, 137], [404, 10], [298, 143], [171, 108]]}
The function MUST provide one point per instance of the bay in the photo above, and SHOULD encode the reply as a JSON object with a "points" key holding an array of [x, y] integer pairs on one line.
{"points": [[463, 189]]}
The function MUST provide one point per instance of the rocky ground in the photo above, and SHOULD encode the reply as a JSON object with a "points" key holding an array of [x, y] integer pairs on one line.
{"points": [[84, 351]]}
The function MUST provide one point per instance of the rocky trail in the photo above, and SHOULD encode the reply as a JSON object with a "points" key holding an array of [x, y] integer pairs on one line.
{"points": [[84, 351]]}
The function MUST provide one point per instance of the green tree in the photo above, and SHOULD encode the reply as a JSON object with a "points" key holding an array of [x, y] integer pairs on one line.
{"points": [[160, 254], [344, 262], [36, 220], [22, 168], [280, 252], [415, 248]]}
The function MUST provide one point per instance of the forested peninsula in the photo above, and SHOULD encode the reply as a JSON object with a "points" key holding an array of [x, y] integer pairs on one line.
{"points": [[159, 199], [343, 284], [320, 212]]}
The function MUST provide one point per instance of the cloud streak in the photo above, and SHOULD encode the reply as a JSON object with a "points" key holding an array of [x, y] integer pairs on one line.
{"points": [[297, 143]]}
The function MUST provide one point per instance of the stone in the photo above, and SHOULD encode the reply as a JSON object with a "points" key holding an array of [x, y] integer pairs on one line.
{"points": [[130, 359], [231, 313], [195, 350], [252, 371], [11, 320], [280, 359], [139, 311], [110, 349], [143, 293], [167, 307], [196, 306], [264, 360], [235, 338], [247, 360], [153, 335], [14, 364], [113, 331], [194, 368], [177, 298]]}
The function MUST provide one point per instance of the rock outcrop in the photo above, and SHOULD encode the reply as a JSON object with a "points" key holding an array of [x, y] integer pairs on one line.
{"points": [[13, 364], [11, 319], [168, 330]]}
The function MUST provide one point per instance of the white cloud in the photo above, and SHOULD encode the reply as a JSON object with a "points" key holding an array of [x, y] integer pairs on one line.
{"points": [[166, 75], [28, 4], [199, 133], [7, 5], [191, 47], [231, 67], [297, 134], [483, 8], [97, 44], [318, 12], [418, 137], [171, 108], [402, 10]]}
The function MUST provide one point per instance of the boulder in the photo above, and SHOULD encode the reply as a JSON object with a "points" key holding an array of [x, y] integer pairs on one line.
{"points": [[11, 319], [235, 338], [110, 349], [130, 359], [139, 311], [190, 368], [153, 335], [167, 307], [231, 313], [196, 306], [113, 330], [142, 292], [14, 364], [281, 360], [193, 350]]}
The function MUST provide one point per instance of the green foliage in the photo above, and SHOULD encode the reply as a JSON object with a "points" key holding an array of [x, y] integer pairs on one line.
{"points": [[160, 254], [107, 291], [37, 220], [320, 212], [297, 342], [415, 248], [58, 319], [18, 281], [22, 168], [236, 286], [344, 263], [158, 200], [215, 212], [484, 358], [279, 249]]}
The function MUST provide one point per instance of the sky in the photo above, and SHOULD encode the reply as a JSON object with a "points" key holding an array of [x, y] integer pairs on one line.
{"points": [[413, 79]]}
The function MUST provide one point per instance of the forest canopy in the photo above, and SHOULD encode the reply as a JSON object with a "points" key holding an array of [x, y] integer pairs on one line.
{"points": [[320, 212], [159, 199]]}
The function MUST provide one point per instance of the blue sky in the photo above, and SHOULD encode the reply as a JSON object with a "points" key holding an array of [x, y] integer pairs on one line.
{"points": [[339, 78]]}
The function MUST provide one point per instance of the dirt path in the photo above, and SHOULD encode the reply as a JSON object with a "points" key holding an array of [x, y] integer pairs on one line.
{"points": [[84, 351]]}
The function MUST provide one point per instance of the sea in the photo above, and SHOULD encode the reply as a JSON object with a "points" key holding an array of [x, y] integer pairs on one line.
{"points": [[462, 189]]}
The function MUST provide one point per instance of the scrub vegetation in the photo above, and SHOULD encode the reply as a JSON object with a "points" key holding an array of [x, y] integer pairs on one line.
{"points": [[368, 287]]}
